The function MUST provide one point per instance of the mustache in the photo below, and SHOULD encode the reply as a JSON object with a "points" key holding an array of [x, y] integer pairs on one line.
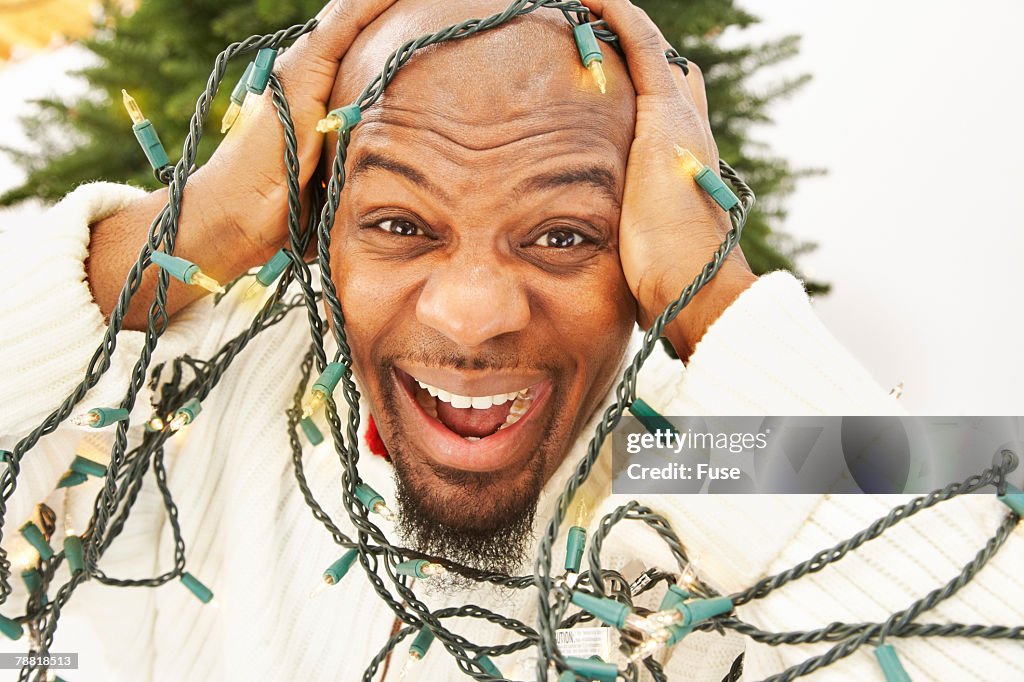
{"points": [[455, 359]]}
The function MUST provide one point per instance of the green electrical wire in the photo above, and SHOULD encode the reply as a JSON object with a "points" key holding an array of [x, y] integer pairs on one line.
{"points": [[191, 380]]}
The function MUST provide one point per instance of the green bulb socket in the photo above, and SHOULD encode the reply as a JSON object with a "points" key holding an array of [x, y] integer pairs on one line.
{"points": [[350, 116], [673, 598], [273, 268], [336, 571], [178, 268], [368, 496], [419, 646], [650, 418], [488, 667], [677, 633], [312, 432], [890, 664], [574, 548], [5, 455], [1014, 499], [151, 145], [33, 580], [74, 553], [567, 676], [412, 568], [84, 465], [35, 537], [11, 629], [607, 611], [593, 669], [699, 610], [201, 591], [238, 94], [191, 409], [329, 378], [71, 479], [258, 78], [108, 416], [718, 190], [586, 43]]}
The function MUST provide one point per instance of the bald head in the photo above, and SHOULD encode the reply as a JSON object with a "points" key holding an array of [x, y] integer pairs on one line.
{"points": [[494, 76]]}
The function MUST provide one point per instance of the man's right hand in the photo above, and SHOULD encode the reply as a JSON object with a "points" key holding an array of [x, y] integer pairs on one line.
{"points": [[234, 209]]}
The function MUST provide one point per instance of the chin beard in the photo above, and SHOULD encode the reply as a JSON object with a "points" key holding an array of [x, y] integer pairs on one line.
{"points": [[468, 519]]}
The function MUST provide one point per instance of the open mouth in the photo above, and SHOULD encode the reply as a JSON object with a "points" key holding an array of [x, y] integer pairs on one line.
{"points": [[474, 427]]}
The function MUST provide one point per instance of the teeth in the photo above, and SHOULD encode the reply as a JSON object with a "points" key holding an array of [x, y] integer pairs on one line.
{"points": [[516, 412], [482, 402]]}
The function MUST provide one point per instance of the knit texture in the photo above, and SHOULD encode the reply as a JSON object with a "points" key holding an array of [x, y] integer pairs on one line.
{"points": [[253, 541]]}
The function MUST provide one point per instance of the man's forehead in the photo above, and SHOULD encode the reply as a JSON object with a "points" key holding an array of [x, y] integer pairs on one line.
{"points": [[512, 77]]}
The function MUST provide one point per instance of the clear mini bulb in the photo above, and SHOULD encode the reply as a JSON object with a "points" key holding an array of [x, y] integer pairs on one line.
{"points": [[313, 403], [597, 72], [90, 418], [230, 116], [200, 279], [132, 107]]}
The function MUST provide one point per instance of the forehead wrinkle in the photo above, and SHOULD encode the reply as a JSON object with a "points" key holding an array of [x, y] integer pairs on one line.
{"points": [[560, 117]]}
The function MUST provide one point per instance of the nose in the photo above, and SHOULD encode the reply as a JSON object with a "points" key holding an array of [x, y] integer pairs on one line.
{"points": [[472, 301]]}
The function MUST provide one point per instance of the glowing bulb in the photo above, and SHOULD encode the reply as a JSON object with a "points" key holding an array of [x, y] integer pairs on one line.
{"points": [[155, 424], [434, 570], [179, 422], [132, 107], [255, 290], [385, 511], [90, 418], [413, 659], [26, 558], [329, 124], [597, 71], [230, 116], [691, 164], [206, 282], [313, 403], [650, 645], [688, 579], [896, 392]]}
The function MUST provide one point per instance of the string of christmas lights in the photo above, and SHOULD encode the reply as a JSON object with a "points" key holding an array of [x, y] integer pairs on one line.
{"points": [[580, 594]]}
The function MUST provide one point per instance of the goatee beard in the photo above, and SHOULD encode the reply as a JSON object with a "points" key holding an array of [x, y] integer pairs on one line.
{"points": [[502, 547]]}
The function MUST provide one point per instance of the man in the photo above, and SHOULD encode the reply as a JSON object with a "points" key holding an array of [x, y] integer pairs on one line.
{"points": [[504, 227]]}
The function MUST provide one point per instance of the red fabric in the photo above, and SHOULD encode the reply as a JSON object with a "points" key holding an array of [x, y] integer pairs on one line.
{"points": [[374, 441]]}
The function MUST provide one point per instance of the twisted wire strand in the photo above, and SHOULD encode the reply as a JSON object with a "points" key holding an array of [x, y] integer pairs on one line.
{"points": [[378, 557]]}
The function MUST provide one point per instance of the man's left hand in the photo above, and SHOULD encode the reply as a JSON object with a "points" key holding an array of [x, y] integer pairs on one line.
{"points": [[669, 226]]}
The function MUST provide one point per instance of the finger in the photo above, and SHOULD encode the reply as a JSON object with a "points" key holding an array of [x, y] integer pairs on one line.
{"points": [[313, 59], [641, 42]]}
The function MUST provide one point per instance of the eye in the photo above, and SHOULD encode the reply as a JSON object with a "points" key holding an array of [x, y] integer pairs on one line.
{"points": [[560, 239], [397, 226]]}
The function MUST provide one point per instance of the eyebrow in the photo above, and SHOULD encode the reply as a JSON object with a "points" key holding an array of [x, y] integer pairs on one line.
{"points": [[600, 178], [374, 161]]}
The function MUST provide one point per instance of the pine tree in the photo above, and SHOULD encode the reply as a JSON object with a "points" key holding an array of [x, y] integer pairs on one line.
{"points": [[162, 54]]}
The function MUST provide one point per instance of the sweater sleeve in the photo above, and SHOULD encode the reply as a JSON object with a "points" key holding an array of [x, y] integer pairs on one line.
{"points": [[769, 354], [51, 328], [51, 324]]}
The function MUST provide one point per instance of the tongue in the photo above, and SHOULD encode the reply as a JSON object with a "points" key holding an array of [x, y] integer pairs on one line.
{"points": [[472, 422]]}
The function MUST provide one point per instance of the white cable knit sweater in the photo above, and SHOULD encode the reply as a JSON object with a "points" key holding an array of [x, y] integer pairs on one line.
{"points": [[251, 538]]}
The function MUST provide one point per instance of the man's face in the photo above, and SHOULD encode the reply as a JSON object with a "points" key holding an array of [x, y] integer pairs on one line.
{"points": [[475, 254]]}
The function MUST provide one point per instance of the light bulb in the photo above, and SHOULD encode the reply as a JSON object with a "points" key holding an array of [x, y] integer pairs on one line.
{"points": [[230, 116], [90, 418], [132, 107], [597, 71], [200, 279]]}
